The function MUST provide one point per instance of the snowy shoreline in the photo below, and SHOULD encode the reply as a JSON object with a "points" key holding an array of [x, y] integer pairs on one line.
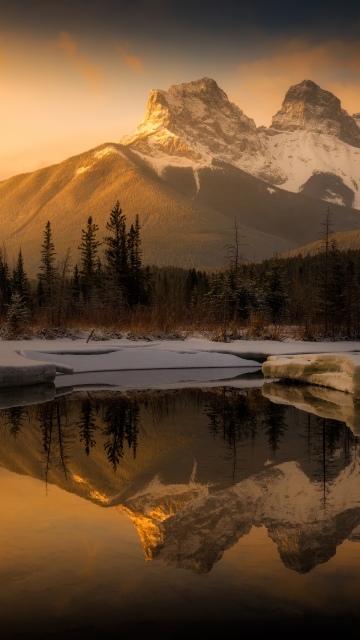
{"points": [[27, 362]]}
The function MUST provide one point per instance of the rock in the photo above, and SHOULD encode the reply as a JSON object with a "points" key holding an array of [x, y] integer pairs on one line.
{"points": [[308, 107]]}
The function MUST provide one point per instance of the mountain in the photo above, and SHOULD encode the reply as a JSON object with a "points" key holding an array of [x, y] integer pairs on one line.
{"points": [[312, 145], [345, 241], [177, 228], [196, 163], [318, 149], [192, 124]]}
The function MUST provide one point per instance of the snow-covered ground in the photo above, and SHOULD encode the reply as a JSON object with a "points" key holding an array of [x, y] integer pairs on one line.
{"points": [[162, 363]]}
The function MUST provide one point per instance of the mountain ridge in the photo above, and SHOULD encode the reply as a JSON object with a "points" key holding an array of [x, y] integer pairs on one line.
{"points": [[194, 165], [312, 142]]}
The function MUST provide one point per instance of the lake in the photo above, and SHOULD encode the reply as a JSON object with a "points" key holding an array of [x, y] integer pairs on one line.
{"points": [[160, 512]]}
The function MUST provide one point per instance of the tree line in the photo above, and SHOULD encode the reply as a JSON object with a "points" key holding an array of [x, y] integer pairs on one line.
{"points": [[320, 294], [117, 281]]}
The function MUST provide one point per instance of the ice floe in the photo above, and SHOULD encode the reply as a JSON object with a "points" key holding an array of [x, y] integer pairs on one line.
{"points": [[339, 371]]}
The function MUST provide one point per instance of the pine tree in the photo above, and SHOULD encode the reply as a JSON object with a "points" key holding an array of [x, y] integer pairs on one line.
{"points": [[338, 277], [275, 290], [76, 288], [63, 289], [5, 282], [48, 274], [220, 299], [116, 254], [17, 315], [20, 281], [89, 259], [136, 291], [324, 279]]}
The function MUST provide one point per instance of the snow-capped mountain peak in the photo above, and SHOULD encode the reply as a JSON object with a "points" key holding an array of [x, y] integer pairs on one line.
{"points": [[194, 120], [308, 107], [312, 145]]}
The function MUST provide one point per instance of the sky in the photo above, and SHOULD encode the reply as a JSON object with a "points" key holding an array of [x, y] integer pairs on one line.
{"points": [[75, 74]]}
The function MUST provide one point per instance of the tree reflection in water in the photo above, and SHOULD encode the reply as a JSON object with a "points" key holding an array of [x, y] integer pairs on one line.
{"points": [[121, 420], [274, 425], [234, 417], [56, 434], [86, 424], [16, 417]]}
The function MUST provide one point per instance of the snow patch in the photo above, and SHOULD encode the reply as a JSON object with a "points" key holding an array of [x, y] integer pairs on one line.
{"points": [[106, 152], [78, 479], [197, 181], [334, 198], [82, 170]]}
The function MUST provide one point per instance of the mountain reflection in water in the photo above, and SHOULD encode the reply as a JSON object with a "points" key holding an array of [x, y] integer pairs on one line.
{"points": [[199, 472]]}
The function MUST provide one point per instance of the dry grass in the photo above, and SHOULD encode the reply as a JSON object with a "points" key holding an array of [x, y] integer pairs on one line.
{"points": [[162, 322]]}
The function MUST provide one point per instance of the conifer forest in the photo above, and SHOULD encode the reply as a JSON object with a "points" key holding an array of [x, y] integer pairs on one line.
{"points": [[314, 297]]}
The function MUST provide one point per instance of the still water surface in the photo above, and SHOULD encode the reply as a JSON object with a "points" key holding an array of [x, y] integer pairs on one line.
{"points": [[160, 513]]}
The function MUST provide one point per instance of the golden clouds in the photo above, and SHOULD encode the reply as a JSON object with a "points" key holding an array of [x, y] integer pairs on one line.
{"points": [[334, 65], [134, 63], [91, 72]]}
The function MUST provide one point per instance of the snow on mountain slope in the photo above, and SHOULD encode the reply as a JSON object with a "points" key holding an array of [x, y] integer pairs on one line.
{"points": [[318, 164], [313, 145], [193, 123], [196, 121], [319, 148]]}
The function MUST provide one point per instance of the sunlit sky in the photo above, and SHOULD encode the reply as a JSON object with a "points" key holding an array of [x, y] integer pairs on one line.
{"points": [[75, 74]]}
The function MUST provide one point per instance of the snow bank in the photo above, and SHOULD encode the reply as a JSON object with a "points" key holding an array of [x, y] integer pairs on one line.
{"points": [[15, 371], [339, 371]]}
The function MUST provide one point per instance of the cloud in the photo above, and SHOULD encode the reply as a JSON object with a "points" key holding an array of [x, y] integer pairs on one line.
{"points": [[334, 65], [134, 63], [91, 72]]}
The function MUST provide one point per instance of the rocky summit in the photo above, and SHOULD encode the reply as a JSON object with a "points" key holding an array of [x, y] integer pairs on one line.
{"points": [[309, 108], [311, 145], [194, 120]]}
